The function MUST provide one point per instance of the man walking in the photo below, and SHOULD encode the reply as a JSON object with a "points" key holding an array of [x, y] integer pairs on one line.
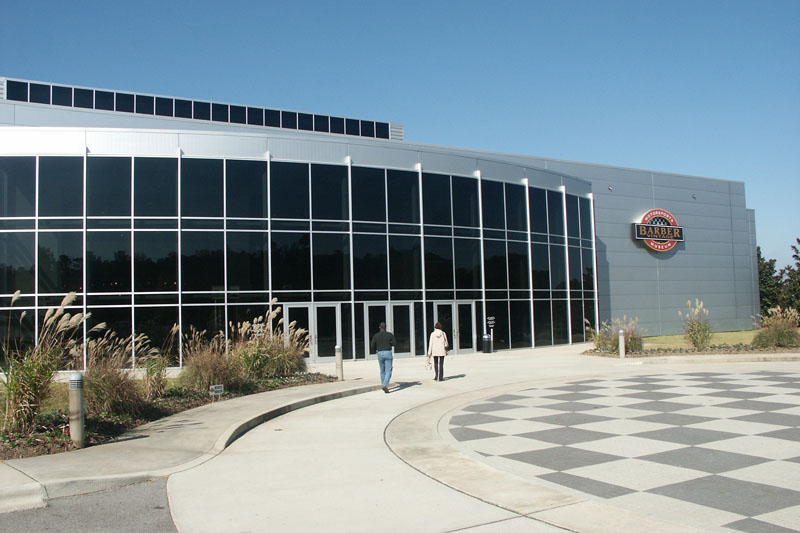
{"points": [[382, 342]]}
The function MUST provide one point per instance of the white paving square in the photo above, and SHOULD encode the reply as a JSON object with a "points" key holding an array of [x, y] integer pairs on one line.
{"points": [[737, 426], [767, 447], [712, 411], [674, 511], [785, 474], [518, 468], [621, 412], [612, 401], [515, 427], [507, 444], [628, 446], [624, 426], [700, 401], [636, 474], [788, 517]]}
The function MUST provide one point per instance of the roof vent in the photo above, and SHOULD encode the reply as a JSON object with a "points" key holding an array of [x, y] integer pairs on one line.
{"points": [[396, 131], [2, 88]]}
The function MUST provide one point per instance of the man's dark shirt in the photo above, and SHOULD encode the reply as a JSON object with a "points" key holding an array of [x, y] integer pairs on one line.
{"points": [[382, 341]]}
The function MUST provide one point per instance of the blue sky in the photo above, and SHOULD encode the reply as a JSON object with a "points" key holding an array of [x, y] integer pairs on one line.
{"points": [[709, 88]]}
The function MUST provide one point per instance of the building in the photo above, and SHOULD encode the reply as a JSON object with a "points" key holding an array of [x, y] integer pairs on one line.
{"points": [[159, 210]]}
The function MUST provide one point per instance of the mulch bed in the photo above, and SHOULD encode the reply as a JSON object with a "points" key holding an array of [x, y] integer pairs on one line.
{"points": [[712, 350], [52, 432]]}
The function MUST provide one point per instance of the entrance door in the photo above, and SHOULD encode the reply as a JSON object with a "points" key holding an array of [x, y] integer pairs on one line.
{"points": [[444, 313], [326, 331], [374, 314], [300, 316], [465, 334], [402, 329]]}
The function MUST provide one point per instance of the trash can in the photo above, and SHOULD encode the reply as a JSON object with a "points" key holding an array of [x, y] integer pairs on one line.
{"points": [[487, 344]]}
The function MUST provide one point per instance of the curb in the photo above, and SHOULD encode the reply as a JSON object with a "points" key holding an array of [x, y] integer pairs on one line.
{"points": [[35, 494]]}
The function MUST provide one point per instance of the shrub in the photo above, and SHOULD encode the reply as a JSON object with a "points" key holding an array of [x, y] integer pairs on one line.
{"points": [[155, 363], [606, 337], [206, 363], [29, 373], [696, 328], [269, 353], [109, 386], [778, 328]]}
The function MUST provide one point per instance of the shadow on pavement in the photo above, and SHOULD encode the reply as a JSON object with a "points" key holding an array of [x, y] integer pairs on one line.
{"points": [[404, 385]]}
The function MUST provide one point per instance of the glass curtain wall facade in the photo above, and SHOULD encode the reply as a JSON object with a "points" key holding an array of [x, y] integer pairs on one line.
{"points": [[148, 242]]}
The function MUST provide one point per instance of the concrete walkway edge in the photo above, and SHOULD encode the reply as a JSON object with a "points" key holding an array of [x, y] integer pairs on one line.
{"points": [[20, 490]]}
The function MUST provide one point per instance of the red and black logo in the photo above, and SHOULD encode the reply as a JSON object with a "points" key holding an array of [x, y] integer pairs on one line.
{"points": [[659, 230]]}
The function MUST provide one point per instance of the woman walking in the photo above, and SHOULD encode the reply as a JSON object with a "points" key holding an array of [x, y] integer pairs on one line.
{"points": [[437, 347]]}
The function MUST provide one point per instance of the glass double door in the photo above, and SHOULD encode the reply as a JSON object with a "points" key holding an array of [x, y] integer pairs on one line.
{"points": [[324, 325], [458, 322], [399, 320]]}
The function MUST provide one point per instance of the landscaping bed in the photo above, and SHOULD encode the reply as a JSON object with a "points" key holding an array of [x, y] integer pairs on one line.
{"points": [[711, 350], [52, 428]]}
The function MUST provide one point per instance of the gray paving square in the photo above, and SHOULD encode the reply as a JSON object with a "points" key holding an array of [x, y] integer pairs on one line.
{"points": [[646, 386], [463, 434], [562, 458], [751, 525], [507, 398], [674, 419], [742, 497], [652, 395], [703, 459], [794, 459], [566, 435], [755, 405], [786, 434], [572, 396], [686, 435], [590, 486], [474, 419], [788, 385], [663, 406], [724, 386], [778, 419], [647, 379], [489, 407], [572, 406], [570, 419], [705, 374], [740, 394], [574, 388]]}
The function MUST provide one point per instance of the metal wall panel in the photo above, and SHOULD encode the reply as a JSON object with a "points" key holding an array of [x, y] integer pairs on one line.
{"points": [[447, 164], [304, 150], [130, 143], [199, 145], [24, 141]]}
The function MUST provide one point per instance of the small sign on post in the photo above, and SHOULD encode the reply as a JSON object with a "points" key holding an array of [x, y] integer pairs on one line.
{"points": [[216, 390], [490, 321]]}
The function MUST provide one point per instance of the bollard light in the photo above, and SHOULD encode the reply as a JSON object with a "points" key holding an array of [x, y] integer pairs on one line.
{"points": [[621, 344], [339, 365], [76, 410]]}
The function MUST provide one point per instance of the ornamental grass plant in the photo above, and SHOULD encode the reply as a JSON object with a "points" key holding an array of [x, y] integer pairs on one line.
{"points": [[696, 327], [109, 384], [778, 328], [606, 337]]}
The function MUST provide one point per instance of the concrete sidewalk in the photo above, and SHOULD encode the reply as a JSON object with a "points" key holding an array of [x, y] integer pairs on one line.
{"points": [[157, 449]]}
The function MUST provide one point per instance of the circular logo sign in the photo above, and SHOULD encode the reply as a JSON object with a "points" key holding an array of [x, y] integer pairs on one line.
{"points": [[659, 230]]}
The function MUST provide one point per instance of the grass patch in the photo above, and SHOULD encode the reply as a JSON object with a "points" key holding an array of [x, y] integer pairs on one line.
{"points": [[722, 337]]}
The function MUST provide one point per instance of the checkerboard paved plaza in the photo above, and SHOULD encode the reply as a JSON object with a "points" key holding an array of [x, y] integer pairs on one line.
{"points": [[704, 449]]}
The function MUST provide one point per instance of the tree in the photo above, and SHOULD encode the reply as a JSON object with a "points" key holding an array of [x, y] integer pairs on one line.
{"points": [[769, 282], [790, 281]]}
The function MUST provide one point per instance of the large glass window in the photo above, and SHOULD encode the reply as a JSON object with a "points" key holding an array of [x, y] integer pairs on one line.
{"points": [[558, 268], [17, 186], [560, 322], [586, 218], [468, 263], [465, 202], [575, 273], [588, 272], [573, 226], [248, 261], [516, 214], [201, 187], [331, 261], [493, 205], [16, 262], [436, 199], [156, 323], [403, 200], [201, 261], [155, 191], [494, 253], [520, 324], [540, 266], [108, 186], [438, 263], [329, 195], [155, 261], [108, 255], [246, 189], [518, 265], [405, 265], [60, 186], [369, 194], [555, 212], [499, 310], [541, 323], [60, 262], [370, 262], [291, 261], [538, 201], [289, 190]]}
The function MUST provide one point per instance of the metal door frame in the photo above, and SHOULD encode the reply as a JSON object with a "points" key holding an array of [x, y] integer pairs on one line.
{"points": [[313, 346]]}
